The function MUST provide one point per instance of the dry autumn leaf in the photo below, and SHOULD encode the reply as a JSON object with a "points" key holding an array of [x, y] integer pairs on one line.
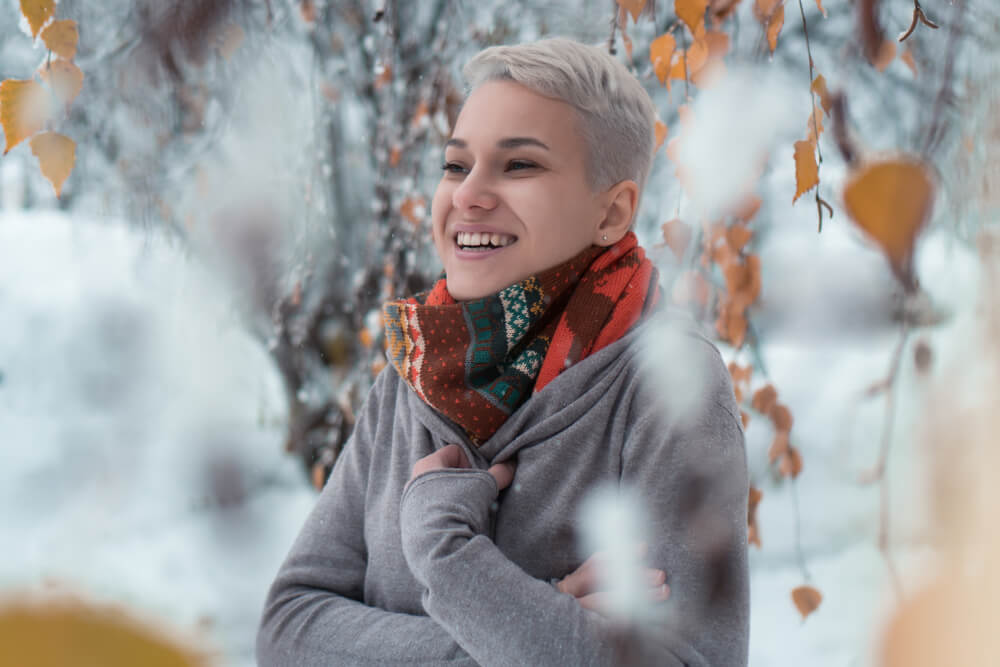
{"points": [[806, 168], [56, 155], [886, 54], [633, 7], [753, 534], [661, 52], [764, 399], [677, 235], [891, 200], [814, 126], [661, 133], [61, 38], [807, 599], [24, 109], [412, 209], [738, 235], [692, 12], [819, 3], [781, 416], [65, 79], [907, 58], [108, 638], [774, 25], [38, 13], [825, 99], [791, 463], [721, 9], [748, 208]]}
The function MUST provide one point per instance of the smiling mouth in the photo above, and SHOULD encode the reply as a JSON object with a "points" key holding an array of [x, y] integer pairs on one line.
{"points": [[482, 241]]}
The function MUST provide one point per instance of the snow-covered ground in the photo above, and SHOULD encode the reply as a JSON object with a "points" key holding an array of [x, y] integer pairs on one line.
{"points": [[142, 434]]}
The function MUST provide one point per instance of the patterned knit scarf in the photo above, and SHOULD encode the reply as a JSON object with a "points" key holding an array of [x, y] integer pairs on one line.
{"points": [[477, 361]]}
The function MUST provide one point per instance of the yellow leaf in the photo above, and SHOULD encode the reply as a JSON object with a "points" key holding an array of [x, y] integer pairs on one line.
{"points": [[38, 12], [807, 599], [661, 51], [891, 200], [24, 109], [633, 7], [65, 78], [692, 12], [56, 154], [63, 632], [61, 38], [661, 133], [819, 87], [806, 169]]}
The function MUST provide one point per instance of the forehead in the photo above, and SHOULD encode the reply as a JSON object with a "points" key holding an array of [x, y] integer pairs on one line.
{"points": [[496, 111]]}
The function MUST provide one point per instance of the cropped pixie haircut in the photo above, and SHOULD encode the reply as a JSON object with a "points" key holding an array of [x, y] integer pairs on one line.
{"points": [[617, 116]]}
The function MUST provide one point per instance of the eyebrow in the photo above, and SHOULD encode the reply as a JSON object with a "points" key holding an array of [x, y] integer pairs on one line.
{"points": [[509, 142]]}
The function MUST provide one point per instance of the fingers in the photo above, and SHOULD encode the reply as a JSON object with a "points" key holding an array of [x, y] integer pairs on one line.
{"points": [[503, 473], [449, 456], [601, 602]]}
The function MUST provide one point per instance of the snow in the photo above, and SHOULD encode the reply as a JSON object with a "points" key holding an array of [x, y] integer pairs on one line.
{"points": [[143, 433]]}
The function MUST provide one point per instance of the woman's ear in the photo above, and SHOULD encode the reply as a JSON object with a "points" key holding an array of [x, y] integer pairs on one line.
{"points": [[621, 201]]}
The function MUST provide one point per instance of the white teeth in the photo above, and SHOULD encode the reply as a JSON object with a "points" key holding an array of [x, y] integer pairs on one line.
{"points": [[483, 239]]}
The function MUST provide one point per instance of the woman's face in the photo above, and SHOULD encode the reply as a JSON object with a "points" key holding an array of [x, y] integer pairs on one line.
{"points": [[513, 199]]}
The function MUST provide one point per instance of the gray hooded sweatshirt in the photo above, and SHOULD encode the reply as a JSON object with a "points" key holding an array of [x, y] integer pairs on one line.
{"points": [[443, 570]]}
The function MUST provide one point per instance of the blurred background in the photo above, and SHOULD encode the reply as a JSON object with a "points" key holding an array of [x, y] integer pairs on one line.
{"points": [[190, 324]]}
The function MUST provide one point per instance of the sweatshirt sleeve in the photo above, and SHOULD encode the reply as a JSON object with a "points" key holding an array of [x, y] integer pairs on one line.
{"points": [[313, 614], [692, 476]]}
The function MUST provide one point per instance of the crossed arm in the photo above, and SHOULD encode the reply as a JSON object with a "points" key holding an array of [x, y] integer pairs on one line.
{"points": [[482, 608]]}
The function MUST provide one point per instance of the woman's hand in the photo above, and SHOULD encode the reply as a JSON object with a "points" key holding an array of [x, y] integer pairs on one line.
{"points": [[582, 583], [452, 456]]}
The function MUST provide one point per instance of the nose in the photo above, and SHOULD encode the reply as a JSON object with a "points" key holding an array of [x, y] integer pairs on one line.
{"points": [[475, 192]]}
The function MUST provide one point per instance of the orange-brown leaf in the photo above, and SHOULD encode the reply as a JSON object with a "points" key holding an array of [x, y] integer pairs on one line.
{"points": [[718, 44], [891, 200], [819, 3], [61, 38], [738, 235], [781, 416], [64, 629], [692, 12], [661, 52], [412, 209], [774, 25], [56, 154], [825, 99], [38, 13], [661, 133], [806, 168], [753, 534], [814, 126], [721, 9], [24, 109], [65, 78], [764, 399], [886, 54], [633, 7], [907, 58], [779, 446], [807, 599], [677, 235], [791, 463], [696, 56], [748, 209], [731, 323]]}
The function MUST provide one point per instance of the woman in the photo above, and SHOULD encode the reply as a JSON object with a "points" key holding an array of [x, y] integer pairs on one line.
{"points": [[447, 533]]}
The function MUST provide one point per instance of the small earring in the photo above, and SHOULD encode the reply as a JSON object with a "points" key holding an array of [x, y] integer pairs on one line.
{"points": [[604, 238]]}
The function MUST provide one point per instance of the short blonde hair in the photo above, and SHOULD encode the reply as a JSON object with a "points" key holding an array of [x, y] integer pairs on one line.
{"points": [[617, 116]]}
